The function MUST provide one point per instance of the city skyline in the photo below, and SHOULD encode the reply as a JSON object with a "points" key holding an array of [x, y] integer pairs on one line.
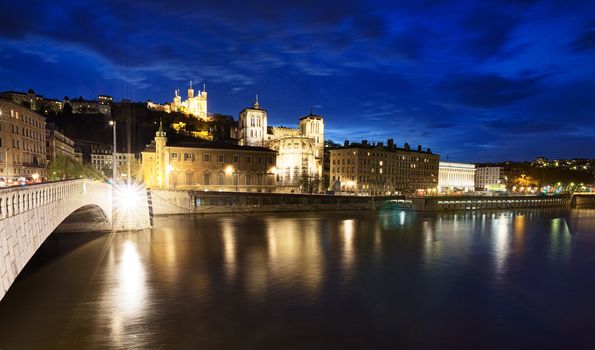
{"points": [[468, 87]]}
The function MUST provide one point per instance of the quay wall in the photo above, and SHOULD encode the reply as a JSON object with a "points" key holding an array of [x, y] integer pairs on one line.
{"points": [[165, 202]]}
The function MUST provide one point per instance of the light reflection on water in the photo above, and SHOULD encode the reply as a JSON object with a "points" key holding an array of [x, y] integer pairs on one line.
{"points": [[354, 280]]}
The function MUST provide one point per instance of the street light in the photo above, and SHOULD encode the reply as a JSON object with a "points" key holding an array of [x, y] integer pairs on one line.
{"points": [[229, 170], [113, 124]]}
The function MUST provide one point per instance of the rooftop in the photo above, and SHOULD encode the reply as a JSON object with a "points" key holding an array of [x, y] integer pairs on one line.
{"points": [[220, 145]]}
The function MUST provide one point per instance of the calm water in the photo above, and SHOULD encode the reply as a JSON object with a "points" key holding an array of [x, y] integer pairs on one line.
{"points": [[355, 280]]}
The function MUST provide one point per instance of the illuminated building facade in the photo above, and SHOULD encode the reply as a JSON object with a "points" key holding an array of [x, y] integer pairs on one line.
{"points": [[366, 169], [57, 144], [195, 105], [456, 177], [300, 151], [22, 142], [208, 166], [490, 178]]}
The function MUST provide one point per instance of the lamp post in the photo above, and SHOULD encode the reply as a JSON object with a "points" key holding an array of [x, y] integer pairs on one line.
{"points": [[113, 124]]}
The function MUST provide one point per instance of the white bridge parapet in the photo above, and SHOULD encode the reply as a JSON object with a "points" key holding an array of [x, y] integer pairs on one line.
{"points": [[28, 215]]}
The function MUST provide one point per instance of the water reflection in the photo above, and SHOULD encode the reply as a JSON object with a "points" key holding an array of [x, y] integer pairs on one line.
{"points": [[348, 252], [501, 236], [295, 255], [350, 279], [229, 248]]}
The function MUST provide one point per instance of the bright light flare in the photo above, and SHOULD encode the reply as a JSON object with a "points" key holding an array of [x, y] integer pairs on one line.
{"points": [[127, 196]]}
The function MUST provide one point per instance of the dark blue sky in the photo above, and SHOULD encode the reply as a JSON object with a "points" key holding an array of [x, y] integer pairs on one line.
{"points": [[476, 81]]}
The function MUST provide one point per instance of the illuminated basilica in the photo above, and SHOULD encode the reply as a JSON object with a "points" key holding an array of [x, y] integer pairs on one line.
{"points": [[195, 105], [299, 150]]}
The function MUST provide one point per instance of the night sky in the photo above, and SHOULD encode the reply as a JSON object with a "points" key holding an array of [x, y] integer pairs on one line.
{"points": [[489, 81]]}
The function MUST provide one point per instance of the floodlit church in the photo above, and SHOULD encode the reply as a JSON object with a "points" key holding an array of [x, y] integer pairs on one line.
{"points": [[299, 150], [195, 105]]}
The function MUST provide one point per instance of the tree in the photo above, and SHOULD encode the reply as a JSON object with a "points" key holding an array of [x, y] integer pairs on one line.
{"points": [[309, 183], [64, 168]]}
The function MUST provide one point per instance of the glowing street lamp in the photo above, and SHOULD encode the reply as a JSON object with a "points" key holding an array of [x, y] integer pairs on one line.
{"points": [[113, 124]]}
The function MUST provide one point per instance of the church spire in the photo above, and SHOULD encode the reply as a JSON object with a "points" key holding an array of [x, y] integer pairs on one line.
{"points": [[160, 132], [256, 105], [191, 84], [204, 87]]}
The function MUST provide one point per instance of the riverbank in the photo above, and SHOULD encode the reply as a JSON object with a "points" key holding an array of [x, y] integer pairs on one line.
{"points": [[168, 202]]}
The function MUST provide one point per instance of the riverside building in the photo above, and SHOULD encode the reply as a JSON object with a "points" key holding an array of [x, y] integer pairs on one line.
{"points": [[57, 144], [300, 151], [208, 166], [365, 169], [490, 178], [22, 142], [456, 177]]}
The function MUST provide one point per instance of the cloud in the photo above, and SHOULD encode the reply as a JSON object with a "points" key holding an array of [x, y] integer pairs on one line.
{"points": [[585, 41], [490, 90]]}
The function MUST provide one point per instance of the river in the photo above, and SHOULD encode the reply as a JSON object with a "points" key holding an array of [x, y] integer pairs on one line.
{"points": [[329, 280]]}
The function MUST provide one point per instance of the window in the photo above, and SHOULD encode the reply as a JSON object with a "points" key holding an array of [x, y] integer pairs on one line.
{"points": [[220, 178], [207, 158], [188, 156], [248, 159], [206, 178], [259, 160], [221, 158], [236, 158], [248, 179], [270, 160], [174, 156]]}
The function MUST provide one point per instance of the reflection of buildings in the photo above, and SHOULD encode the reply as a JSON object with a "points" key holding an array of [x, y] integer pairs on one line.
{"points": [[456, 177], [22, 142], [208, 166], [367, 169], [300, 151]]}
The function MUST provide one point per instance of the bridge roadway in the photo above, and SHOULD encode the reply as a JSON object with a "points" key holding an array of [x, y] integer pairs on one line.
{"points": [[28, 215]]}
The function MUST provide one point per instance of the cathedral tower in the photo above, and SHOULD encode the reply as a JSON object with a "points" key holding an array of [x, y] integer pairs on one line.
{"points": [[252, 126]]}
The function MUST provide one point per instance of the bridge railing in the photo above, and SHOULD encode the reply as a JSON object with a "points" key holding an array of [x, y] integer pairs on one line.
{"points": [[16, 200]]}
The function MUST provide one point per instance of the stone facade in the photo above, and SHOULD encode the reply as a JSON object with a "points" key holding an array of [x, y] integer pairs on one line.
{"points": [[28, 215], [490, 177], [364, 169], [57, 144], [22, 142], [300, 151], [456, 177], [208, 166]]}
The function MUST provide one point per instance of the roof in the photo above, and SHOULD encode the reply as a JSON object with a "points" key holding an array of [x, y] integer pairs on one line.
{"points": [[311, 115], [253, 109], [220, 145], [384, 148]]}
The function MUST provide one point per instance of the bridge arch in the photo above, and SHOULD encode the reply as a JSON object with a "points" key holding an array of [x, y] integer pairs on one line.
{"points": [[28, 215]]}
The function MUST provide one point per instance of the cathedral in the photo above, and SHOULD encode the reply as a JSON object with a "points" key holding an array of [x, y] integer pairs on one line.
{"points": [[195, 105], [300, 151]]}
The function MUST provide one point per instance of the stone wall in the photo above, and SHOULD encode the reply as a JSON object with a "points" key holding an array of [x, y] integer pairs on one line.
{"points": [[28, 215]]}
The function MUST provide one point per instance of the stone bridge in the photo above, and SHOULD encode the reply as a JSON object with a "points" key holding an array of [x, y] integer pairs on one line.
{"points": [[28, 215]]}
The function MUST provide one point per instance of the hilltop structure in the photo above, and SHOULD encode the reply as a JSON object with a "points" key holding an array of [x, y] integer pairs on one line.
{"points": [[194, 105]]}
